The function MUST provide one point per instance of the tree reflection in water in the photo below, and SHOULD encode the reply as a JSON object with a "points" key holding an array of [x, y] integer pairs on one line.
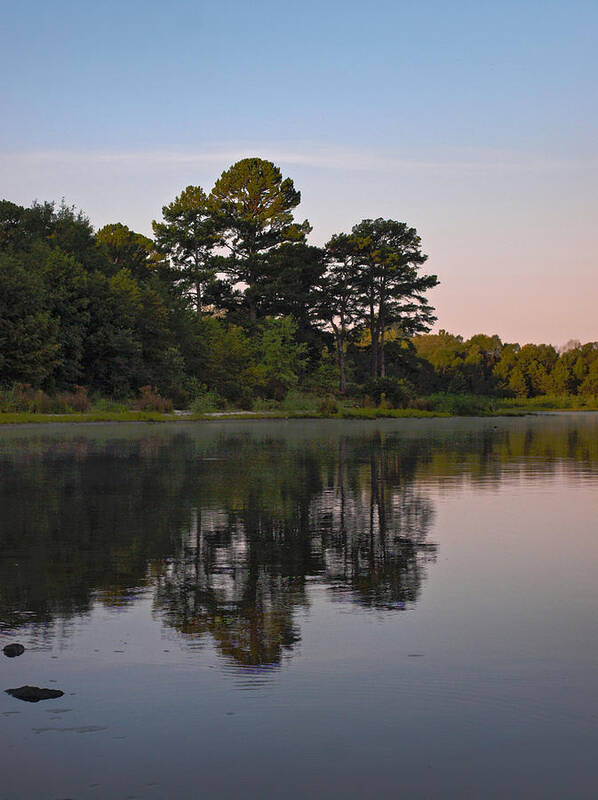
{"points": [[241, 572], [224, 532], [226, 527]]}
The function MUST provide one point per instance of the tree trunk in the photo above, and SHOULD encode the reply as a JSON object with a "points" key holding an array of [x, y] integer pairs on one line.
{"points": [[339, 340], [381, 326], [374, 338], [341, 365]]}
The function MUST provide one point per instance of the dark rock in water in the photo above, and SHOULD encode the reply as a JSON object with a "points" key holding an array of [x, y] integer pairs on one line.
{"points": [[33, 694], [12, 650]]}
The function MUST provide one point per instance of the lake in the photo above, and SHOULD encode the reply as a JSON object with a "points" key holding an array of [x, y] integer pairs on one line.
{"points": [[300, 609]]}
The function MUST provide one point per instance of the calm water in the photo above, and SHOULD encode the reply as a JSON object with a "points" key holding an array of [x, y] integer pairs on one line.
{"points": [[301, 609]]}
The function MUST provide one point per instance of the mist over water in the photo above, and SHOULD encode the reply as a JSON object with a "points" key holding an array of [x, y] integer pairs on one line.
{"points": [[304, 608]]}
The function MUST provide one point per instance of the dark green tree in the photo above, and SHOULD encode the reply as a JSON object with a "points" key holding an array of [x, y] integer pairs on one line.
{"points": [[253, 205], [337, 303], [187, 237], [286, 287], [387, 257], [67, 300], [29, 351], [128, 250]]}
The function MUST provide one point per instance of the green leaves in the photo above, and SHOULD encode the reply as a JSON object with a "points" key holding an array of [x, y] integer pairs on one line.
{"points": [[252, 205], [127, 250], [28, 344], [187, 237], [374, 276]]}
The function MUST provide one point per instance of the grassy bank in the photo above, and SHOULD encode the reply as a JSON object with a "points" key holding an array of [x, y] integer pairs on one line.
{"points": [[140, 416], [425, 407], [22, 417]]}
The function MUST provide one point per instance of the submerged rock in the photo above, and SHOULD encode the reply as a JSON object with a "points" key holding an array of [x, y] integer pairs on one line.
{"points": [[12, 650], [33, 694]]}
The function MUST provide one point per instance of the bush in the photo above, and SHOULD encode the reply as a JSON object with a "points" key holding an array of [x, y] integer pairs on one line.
{"points": [[396, 392], [328, 406], [150, 400], [237, 393], [206, 401], [75, 401], [23, 397], [457, 404], [299, 401], [109, 404], [265, 404]]}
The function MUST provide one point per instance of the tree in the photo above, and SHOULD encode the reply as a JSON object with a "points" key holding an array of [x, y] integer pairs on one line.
{"points": [[562, 379], [590, 384], [482, 354], [386, 260], [127, 250], [337, 303], [286, 287], [61, 228], [28, 346], [188, 236], [280, 358], [112, 351], [67, 299], [229, 359], [253, 206], [12, 229]]}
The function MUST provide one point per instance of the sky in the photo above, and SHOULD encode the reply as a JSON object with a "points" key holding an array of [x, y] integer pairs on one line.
{"points": [[474, 122]]}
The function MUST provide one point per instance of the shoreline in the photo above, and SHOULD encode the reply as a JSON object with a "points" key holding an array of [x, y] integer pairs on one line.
{"points": [[373, 414]]}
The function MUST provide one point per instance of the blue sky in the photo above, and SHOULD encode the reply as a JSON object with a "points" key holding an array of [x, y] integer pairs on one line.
{"points": [[476, 122]]}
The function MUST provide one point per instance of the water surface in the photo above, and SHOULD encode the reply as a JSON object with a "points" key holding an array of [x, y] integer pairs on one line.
{"points": [[301, 608]]}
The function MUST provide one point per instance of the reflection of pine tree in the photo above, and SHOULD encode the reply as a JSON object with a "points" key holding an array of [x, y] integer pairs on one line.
{"points": [[214, 586], [226, 528], [376, 535], [240, 575]]}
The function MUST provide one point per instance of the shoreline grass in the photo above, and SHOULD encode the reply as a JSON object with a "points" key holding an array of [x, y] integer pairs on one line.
{"points": [[26, 417], [510, 409], [305, 406]]}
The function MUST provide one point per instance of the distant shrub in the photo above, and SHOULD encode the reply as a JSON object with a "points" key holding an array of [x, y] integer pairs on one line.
{"points": [[23, 397], [59, 404], [324, 378], [265, 404], [109, 404], [206, 401], [384, 404], [457, 404], [397, 392], [238, 394], [300, 401], [150, 400], [67, 402], [328, 406]]}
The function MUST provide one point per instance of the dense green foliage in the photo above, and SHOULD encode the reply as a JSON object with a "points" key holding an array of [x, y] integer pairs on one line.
{"points": [[229, 305], [483, 365]]}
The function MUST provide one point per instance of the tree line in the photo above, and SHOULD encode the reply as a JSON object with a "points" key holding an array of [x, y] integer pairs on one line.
{"points": [[228, 299], [485, 365]]}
